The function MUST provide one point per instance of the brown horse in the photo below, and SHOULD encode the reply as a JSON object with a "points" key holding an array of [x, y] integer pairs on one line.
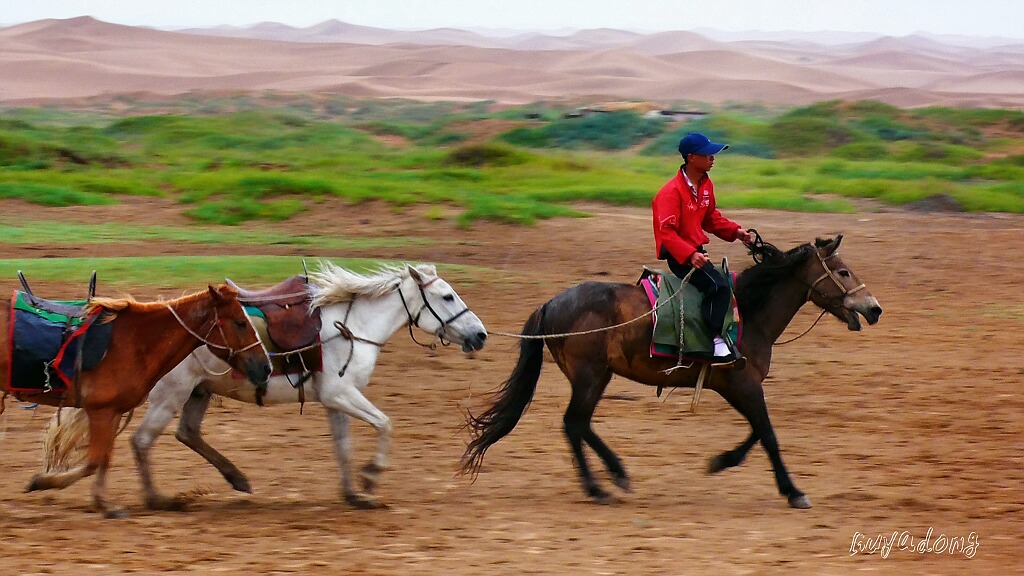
{"points": [[769, 294], [147, 340]]}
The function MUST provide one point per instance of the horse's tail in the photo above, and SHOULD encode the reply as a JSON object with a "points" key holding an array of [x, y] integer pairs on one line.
{"points": [[66, 438], [512, 398]]}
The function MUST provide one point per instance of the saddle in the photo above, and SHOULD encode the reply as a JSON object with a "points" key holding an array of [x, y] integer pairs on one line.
{"points": [[285, 307], [72, 309], [52, 341], [679, 328], [286, 324]]}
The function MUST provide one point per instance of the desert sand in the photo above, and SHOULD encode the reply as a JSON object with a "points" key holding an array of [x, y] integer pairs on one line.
{"points": [[83, 57]]}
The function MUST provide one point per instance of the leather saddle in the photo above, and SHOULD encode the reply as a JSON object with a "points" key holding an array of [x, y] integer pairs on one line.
{"points": [[285, 306]]}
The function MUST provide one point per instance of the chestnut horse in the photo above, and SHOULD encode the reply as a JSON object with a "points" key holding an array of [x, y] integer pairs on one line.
{"points": [[769, 294], [147, 340]]}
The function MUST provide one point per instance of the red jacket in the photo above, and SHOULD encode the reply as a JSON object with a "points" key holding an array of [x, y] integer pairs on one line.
{"points": [[680, 221]]}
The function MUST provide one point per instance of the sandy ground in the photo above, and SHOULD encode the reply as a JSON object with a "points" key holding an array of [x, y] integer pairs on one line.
{"points": [[912, 426]]}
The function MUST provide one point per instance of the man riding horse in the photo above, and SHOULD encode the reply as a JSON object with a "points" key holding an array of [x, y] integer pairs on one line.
{"points": [[684, 211]]}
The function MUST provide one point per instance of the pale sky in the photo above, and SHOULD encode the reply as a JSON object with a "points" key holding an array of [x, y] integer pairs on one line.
{"points": [[983, 18]]}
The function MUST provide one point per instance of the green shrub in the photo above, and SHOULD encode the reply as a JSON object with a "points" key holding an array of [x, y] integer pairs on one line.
{"points": [[236, 211], [479, 155], [49, 195], [805, 136], [861, 151], [600, 131]]}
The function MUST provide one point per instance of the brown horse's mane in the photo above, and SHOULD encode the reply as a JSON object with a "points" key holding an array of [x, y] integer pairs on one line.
{"points": [[130, 303], [754, 285]]}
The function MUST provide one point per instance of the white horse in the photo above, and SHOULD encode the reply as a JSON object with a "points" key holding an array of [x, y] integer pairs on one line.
{"points": [[359, 314]]}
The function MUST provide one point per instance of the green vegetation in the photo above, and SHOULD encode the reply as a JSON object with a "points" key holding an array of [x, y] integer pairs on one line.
{"points": [[38, 232], [275, 157], [188, 272]]}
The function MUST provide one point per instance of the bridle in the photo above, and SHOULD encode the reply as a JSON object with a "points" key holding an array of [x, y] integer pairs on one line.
{"points": [[217, 323], [415, 320], [813, 286], [346, 333]]}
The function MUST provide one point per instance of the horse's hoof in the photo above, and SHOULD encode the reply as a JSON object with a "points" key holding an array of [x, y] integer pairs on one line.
{"points": [[802, 502], [370, 476], [239, 483], [599, 496], [624, 483], [34, 485], [166, 504], [716, 465], [115, 514], [369, 483], [364, 502]]}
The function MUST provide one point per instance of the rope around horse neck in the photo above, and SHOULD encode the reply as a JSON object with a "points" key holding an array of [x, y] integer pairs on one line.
{"points": [[606, 328], [797, 337]]}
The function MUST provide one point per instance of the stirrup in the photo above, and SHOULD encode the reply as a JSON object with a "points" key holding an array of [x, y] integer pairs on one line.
{"points": [[738, 362]]}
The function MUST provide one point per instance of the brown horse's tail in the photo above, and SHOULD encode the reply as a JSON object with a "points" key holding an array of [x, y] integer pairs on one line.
{"points": [[66, 438], [512, 398]]}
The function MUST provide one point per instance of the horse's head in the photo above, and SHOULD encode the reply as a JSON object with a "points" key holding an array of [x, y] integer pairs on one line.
{"points": [[233, 338], [836, 289], [443, 312]]}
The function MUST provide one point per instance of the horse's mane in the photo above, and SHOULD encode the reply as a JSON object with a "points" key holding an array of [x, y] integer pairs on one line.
{"points": [[332, 284], [130, 303], [754, 285]]}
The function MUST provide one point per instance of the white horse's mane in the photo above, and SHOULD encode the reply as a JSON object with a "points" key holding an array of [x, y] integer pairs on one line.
{"points": [[332, 284]]}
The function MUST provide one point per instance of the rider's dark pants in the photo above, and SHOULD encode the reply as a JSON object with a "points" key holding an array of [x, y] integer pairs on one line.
{"points": [[713, 285]]}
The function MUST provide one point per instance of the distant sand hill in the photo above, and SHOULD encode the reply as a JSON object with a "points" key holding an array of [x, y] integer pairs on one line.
{"points": [[82, 57]]}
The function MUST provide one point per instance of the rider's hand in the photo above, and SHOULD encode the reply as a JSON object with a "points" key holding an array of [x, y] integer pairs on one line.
{"points": [[745, 236], [699, 259]]}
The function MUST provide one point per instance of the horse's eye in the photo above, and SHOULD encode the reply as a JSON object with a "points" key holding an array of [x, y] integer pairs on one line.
{"points": [[844, 273], [241, 324], [448, 298]]}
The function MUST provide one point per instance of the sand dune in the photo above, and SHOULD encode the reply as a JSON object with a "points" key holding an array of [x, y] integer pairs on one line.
{"points": [[82, 57]]}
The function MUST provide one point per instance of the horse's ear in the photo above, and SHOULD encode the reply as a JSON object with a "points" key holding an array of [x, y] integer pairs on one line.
{"points": [[836, 242], [215, 293], [415, 274]]}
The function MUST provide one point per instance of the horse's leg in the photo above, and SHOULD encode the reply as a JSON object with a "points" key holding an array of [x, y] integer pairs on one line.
{"points": [[352, 402], [747, 397], [587, 388], [190, 434], [164, 402], [734, 457], [339, 422], [611, 460], [102, 431]]}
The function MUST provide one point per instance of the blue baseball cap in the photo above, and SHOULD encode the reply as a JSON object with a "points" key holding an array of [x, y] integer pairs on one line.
{"points": [[696, 143]]}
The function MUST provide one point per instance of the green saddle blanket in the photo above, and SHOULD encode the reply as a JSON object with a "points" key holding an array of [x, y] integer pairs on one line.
{"points": [[50, 341], [679, 329]]}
